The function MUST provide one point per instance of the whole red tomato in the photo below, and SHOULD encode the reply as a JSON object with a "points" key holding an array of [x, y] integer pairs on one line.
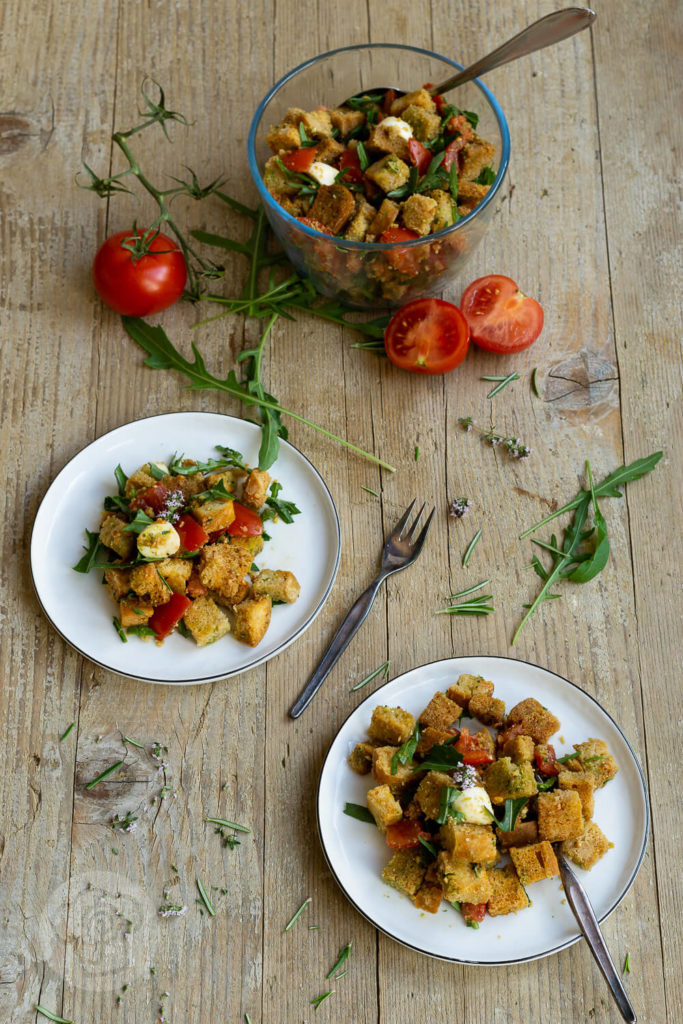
{"points": [[139, 285]]}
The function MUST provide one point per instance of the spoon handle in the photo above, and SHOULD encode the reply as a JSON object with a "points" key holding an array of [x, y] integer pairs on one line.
{"points": [[544, 32], [588, 923]]}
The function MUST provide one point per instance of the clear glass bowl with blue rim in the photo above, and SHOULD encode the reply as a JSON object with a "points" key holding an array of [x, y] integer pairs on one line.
{"points": [[368, 275]]}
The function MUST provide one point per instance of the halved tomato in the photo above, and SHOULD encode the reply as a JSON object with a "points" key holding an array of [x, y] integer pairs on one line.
{"points": [[405, 835], [317, 225], [167, 616], [473, 750], [419, 155], [501, 317], [246, 523], [192, 535], [299, 160], [475, 912], [407, 261], [349, 162], [427, 336]]}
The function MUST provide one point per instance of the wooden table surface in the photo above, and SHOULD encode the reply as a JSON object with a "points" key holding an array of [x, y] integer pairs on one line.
{"points": [[587, 223]]}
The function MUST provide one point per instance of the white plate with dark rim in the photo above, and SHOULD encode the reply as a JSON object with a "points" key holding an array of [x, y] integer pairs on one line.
{"points": [[357, 853], [79, 607]]}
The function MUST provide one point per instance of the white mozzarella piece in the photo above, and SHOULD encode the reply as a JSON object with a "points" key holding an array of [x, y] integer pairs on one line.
{"points": [[400, 126], [475, 804], [325, 174], [158, 540]]}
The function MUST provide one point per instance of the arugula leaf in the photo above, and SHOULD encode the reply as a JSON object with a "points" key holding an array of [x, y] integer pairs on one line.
{"points": [[429, 847], [121, 479], [472, 118], [589, 569], [406, 750], [512, 810], [286, 510], [486, 176], [359, 812], [231, 457], [120, 630], [216, 493], [447, 797], [138, 524], [94, 550], [155, 471], [363, 158], [140, 631], [443, 757]]}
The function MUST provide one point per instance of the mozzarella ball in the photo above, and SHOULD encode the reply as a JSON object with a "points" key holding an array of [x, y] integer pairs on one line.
{"points": [[475, 804], [158, 540]]}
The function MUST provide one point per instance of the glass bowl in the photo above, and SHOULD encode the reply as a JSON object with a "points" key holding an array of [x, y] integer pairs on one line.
{"points": [[370, 274]]}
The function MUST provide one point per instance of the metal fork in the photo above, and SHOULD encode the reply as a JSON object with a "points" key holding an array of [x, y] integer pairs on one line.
{"points": [[399, 551]]}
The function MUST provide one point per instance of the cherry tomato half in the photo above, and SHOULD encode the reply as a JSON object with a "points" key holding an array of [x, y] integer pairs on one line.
{"points": [[167, 616], [317, 225], [349, 161], [473, 911], [500, 316], [427, 336], [405, 835], [139, 286], [246, 523], [407, 261], [419, 156], [545, 759], [192, 535], [299, 160], [472, 749], [153, 497]]}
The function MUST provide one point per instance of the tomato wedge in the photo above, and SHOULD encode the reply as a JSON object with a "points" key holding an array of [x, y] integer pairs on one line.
{"points": [[501, 317], [246, 523], [192, 535], [427, 336], [545, 759], [153, 497], [419, 155], [299, 160], [405, 835], [451, 151], [472, 750], [473, 912], [349, 161], [167, 616], [407, 261], [317, 225]]}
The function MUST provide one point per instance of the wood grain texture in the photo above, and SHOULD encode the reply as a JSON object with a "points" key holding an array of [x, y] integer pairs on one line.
{"points": [[587, 223]]}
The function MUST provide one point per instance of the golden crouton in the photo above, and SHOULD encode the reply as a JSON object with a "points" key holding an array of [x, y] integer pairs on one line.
{"points": [[254, 545], [280, 585], [391, 725], [538, 722], [317, 123], [559, 815], [505, 780], [381, 768], [215, 514], [252, 618], [419, 98], [382, 220], [328, 151], [113, 535], [441, 713], [523, 834], [361, 220], [389, 173], [388, 139], [176, 572], [418, 212], [596, 759], [360, 758], [431, 738], [476, 155], [206, 621], [140, 480], [405, 872], [134, 613], [584, 785], [519, 748], [587, 849], [222, 568], [147, 582], [474, 843], [534, 862], [443, 218], [230, 478], [488, 710], [507, 894], [471, 192], [428, 897], [283, 137], [276, 181], [118, 582], [428, 794], [461, 882], [256, 488], [425, 125], [333, 206], [466, 686], [344, 119], [384, 807]]}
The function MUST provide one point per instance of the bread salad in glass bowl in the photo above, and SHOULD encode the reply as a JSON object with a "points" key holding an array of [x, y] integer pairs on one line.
{"points": [[177, 547], [378, 196]]}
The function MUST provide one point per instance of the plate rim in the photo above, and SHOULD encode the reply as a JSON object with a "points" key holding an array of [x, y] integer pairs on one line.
{"points": [[202, 679], [459, 960]]}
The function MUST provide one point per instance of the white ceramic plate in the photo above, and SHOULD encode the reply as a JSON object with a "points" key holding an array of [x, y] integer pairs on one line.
{"points": [[357, 852], [79, 607]]}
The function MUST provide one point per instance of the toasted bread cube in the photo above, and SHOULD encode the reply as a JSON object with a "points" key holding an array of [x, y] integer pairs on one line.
{"points": [[488, 710], [361, 220], [443, 217], [559, 815], [360, 758], [586, 849], [441, 713], [276, 181], [118, 582], [474, 843], [113, 535], [428, 897], [317, 123], [476, 155], [176, 572], [538, 722], [222, 568], [419, 98], [383, 219], [147, 583], [391, 725], [418, 212], [405, 872], [206, 621], [523, 834], [215, 514], [505, 780], [333, 206], [596, 759], [254, 545], [134, 613], [471, 192], [252, 618], [279, 584], [230, 478], [466, 686], [328, 151], [584, 784], [140, 480], [485, 741], [428, 794], [256, 488], [431, 738], [461, 883], [389, 173], [344, 119], [381, 768], [384, 807], [388, 139], [507, 893], [534, 862], [519, 748], [283, 137], [425, 125]]}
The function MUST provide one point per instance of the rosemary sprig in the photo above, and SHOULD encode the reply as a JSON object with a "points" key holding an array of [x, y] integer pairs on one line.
{"points": [[475, 606], [320, 999], [103, 775], [228, 824], [298, 914], [343, 955], [503, 383], [50, 1015], [470, 548], [66, 732], [382, 668], [470, 590], [205, 898]]}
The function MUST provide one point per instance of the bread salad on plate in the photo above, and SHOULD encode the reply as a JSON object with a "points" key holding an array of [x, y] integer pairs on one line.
{"points": [[472, 813], [177, 547]]}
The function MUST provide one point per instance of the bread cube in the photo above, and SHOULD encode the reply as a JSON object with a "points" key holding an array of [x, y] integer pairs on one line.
{"points": [[441, 713], [113, 535], [443, 218], [424, 124], [428, 897], [534, 862], [419, 98], [333, 206], [283, 137], [466, 686], [256, 488], [230, 478], [254, 545], [507, 894], [461, 882], [328, 151], [596, 759], [418, 212], [523, 834], [384, 807], [431, 737], [519, 748], [317, 123], [360, 758], [488, 710], [475, 843], [176, 572], [586, 849], [584, 785], [118, 582], [391, 725], [381, 768], [405, 872], [559, 815], [206, 621], [344, 119], [215, 514], [388, 173], [252, 618], [134, 613], [279, 584], [147, 582], [428, 794], [276, 181], [140, 480], [383, 220], [471, 192], [388, 139], [476, 155], [538, 722], [222, 568], [362, 218], [505, 780]]}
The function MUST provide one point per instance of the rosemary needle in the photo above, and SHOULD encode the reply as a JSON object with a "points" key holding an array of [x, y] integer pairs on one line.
{"points": [[133, 743], [298, 913], [502, 383], [472, 545], [470, 590], [205, 898], [104, 774], [66, 732], [319, 999], [343, 955], [383, 668], [228, 824], [369, 490], [51, 1016]]}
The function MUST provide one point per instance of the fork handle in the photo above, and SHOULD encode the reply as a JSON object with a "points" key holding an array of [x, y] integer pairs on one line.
{"points": [[348, 629]]}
